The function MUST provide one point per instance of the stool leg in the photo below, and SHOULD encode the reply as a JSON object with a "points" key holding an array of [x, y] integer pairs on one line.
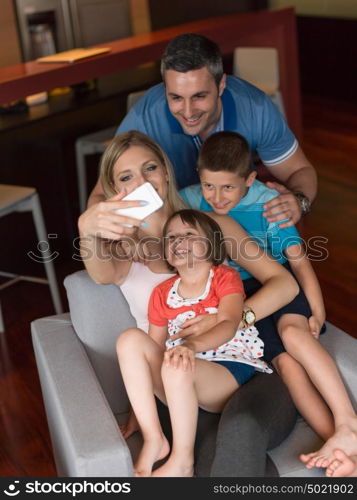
{"points": [[2, 327], [49, 267], [81, 177]]}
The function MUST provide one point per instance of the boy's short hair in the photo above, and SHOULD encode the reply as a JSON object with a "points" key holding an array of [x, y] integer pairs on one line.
{"points": [[216, 249], [226, 151], [191, 51]]}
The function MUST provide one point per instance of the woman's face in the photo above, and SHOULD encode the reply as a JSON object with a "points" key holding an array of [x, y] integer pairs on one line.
{"points": [[136, 166], [185, 245]]}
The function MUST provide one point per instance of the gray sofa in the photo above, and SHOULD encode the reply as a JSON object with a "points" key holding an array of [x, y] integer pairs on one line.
{"points": [[85, 398]]}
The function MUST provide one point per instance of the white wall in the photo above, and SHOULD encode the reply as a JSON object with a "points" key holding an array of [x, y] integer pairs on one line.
{"points": [[322, 8]]}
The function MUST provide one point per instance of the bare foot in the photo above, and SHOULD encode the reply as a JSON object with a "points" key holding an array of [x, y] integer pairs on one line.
{"points": [[342, 465], [154, 449], [344, 439], [175, 467]]}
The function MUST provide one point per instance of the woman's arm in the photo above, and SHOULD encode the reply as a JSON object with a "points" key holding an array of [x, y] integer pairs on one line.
{"points": [[97, 223], [279, 286], [102, 266], [307, 278]]}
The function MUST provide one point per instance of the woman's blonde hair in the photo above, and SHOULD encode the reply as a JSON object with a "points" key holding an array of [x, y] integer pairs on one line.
{"points": [[122, 143]]}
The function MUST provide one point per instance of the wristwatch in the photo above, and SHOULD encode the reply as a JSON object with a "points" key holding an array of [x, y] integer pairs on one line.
{"points": [[248, 317], [304, 202]]}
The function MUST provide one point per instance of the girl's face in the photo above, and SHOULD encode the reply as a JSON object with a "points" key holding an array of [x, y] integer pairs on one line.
{"points": [[136, 166], [185, 245]]}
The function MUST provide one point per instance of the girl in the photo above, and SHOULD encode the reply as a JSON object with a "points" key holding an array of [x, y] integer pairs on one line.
{"points": [[202, 371]]}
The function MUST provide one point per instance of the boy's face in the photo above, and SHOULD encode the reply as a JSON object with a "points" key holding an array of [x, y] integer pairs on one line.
{"points": [[223, 190]]}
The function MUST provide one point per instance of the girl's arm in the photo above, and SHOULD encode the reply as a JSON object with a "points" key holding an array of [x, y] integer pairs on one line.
{"points": [[279, 286], [307, 278], [158, 333]]}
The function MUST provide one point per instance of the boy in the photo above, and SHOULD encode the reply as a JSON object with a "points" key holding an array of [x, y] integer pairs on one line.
{"points": [[228, 186]]}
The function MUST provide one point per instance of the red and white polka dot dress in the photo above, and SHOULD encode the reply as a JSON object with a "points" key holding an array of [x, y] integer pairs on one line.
{"points": [[246, 346]]}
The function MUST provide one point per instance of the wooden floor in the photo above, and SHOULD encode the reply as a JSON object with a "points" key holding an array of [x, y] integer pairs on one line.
{"points": [[331, 144]]}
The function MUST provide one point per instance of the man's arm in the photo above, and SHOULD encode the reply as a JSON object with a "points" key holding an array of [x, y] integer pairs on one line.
{"points": [[96, 195], [298, 175]]}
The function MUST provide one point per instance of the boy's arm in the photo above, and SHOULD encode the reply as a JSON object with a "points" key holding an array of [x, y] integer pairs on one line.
{"points": [[279, 286], [303, 270]]}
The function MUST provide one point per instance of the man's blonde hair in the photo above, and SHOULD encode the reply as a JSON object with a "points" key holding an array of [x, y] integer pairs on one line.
{"points": [[122, 143]]}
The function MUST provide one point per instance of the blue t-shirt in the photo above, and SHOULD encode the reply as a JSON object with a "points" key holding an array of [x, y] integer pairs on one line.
{"points": [[246, 110], [249, 214]]}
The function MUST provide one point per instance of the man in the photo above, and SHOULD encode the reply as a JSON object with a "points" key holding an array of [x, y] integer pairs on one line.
{"points": [[195, 100]]}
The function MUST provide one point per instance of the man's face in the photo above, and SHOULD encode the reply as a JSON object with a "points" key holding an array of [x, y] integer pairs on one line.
{"points": [[194, 100]]}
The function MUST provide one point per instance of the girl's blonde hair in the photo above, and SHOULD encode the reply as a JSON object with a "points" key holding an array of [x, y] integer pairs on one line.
{"points": [[122, 143]]}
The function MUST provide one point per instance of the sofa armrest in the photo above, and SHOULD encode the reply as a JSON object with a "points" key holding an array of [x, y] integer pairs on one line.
{"points": [[343, 349], [85, 435]]}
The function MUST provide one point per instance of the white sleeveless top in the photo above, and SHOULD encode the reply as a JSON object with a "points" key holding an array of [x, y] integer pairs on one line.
{"points": [[137, 289]]}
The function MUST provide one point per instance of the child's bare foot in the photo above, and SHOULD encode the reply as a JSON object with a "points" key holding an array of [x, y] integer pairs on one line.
{"points": [[342, 465], [154, 449], [175, 467], [344, 439]]}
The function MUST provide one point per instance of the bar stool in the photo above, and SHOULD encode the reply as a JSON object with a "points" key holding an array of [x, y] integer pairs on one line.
{"points": [[26, 199], [96, 143], [260, 67]]}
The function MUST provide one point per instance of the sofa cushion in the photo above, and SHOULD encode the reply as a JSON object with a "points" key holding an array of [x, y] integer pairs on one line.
{"points": [[343, 349], [99, 313]]}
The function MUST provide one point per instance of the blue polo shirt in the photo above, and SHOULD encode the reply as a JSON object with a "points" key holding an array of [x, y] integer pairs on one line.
{"points": [[249, 214], [246, 110]]}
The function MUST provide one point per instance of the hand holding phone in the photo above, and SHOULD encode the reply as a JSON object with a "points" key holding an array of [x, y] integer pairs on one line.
{"points": [[147, 193]]}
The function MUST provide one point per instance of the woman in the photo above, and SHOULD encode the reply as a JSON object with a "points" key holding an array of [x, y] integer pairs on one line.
{"points": [[130, 160]]}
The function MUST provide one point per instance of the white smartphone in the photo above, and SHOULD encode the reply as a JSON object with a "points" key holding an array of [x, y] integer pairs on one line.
{"points": [[144, 192]]}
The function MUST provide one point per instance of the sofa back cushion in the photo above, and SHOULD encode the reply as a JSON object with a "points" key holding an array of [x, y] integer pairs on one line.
{"points": [[99, 313]]}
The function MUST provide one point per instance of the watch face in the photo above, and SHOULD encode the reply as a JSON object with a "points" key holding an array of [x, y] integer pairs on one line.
{"points": [[304, 202], [249, 317]]}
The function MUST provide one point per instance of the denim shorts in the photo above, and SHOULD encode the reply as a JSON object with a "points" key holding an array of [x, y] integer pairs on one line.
{"points": [[267, 327], [240, 371]]}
